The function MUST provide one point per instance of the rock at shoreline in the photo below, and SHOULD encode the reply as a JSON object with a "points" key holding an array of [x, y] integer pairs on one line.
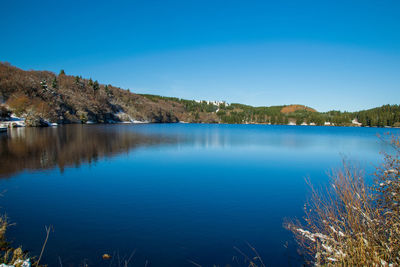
{"points": [[35, 121]]}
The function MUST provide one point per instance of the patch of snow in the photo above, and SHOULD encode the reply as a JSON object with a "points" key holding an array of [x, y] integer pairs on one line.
{"points": [[53, 124], [391, 171], [355, 122], [327, 248], [125, 118], [25, 263], [136, 121], [15, 118]]}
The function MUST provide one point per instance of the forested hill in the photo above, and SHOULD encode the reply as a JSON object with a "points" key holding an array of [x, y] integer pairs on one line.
{"points": [[45, 96]]}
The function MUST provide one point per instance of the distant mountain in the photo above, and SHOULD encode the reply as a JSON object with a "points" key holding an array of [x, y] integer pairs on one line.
{"points": [[45, 96]]}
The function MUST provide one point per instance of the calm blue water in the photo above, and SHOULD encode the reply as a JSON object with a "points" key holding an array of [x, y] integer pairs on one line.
{"points": [[173, 193]]}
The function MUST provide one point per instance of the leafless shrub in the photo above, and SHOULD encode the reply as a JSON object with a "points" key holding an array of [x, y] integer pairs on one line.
{"points": [[351, 223]]}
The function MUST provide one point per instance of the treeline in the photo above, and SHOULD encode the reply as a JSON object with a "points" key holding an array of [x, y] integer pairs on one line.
{"points": [[189, 105], [385, 116], [238, 113], [235, 113]]}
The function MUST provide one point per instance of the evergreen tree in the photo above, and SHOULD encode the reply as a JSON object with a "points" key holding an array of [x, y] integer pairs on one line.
{"points": [[54, 83], [96, 85]]}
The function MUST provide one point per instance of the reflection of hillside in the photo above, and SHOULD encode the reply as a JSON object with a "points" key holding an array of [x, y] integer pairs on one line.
{"points": [[33, 148]]}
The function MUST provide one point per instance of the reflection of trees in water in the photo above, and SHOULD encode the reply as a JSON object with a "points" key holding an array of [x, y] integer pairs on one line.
{"points": [[34, 148]]}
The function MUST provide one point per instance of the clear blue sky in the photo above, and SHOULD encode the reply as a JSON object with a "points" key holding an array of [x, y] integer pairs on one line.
{"points": [[325, 54]]}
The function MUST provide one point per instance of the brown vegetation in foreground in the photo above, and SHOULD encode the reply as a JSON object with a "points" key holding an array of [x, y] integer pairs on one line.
{"points": [[8, 254], [352, 223]]}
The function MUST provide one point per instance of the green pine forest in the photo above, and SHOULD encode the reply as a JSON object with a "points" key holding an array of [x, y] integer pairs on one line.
{"points": [[384, 116]]}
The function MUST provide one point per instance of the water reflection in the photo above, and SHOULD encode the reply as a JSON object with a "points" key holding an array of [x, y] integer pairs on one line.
{"points": [[37, 149], [72, 145], [272, 137]]}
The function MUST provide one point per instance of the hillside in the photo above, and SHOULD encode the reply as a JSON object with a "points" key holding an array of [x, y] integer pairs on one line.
{"points": [[64, 98], [293, 108], [41, 96]]}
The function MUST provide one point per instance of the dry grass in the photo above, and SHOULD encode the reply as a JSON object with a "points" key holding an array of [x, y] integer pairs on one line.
{"points": [[9, 255], [16, 256], [352, 223], [252, 261]]}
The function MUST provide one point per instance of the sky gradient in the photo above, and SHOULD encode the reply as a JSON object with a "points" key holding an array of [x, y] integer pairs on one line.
{"points": [[325, 54]]}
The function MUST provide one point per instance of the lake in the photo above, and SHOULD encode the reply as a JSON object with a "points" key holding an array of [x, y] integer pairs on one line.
{"points": [[171, 193]]}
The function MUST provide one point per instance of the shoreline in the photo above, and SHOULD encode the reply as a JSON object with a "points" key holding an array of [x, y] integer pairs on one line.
{"points": [[4, 124]]}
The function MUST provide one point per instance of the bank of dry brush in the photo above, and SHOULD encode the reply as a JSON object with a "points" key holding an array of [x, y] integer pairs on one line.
{"points": [[354, 223]]}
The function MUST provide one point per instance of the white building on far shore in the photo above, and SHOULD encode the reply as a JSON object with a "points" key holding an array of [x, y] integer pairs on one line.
{"points": [[216, 103]]}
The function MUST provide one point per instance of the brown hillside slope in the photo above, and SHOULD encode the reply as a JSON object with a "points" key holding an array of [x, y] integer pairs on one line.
{"points": [[71, 99], [293, 108]]}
